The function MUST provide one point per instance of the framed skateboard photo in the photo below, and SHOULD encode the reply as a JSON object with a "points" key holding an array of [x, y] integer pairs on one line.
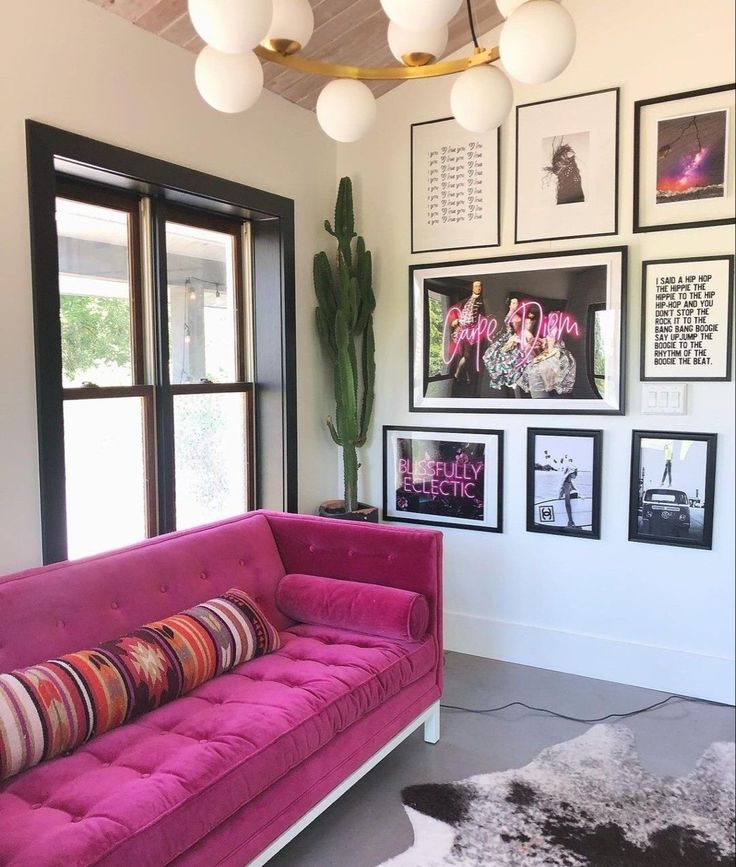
{"points": [[563, 487]]}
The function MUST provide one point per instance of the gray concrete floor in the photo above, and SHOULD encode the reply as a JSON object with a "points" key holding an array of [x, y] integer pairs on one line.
{"points": [[368, 824]]}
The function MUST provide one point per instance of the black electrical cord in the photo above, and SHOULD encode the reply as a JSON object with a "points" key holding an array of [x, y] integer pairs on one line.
{"points": [[624, 715], [472, 25]]}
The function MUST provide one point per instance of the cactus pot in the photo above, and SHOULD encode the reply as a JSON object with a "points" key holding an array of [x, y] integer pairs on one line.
{"points": [[336, 509]]}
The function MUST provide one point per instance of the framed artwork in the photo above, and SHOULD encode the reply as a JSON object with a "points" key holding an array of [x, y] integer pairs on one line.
{"points": [[671, 493], [444, 477], [455, 201], [542, 333], [563, 482], [687, 319], [684, 160], [567, 167]]}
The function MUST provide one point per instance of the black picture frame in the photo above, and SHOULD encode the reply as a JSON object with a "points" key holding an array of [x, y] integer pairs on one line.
{"points": [[616, 163], [551, 518], [484, 436], [638, 491], [419, 378], [645, 266], [414, 248], [639, 107]]}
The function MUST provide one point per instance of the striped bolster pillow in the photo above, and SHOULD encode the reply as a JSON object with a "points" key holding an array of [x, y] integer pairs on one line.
{"points": [[55, 706]]}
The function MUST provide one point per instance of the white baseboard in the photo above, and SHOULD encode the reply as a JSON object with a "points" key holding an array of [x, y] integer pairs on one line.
{"points": [[646, 665]]}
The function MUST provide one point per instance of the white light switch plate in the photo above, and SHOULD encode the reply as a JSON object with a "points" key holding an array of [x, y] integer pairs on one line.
{"points": [[664, 398]]}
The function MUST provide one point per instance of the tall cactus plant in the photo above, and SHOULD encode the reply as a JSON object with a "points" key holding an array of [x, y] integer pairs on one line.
{"points": [[345, 325]]}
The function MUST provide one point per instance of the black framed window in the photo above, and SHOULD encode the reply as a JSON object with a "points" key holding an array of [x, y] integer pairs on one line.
{"points": [[152, 284], [110, 391]]}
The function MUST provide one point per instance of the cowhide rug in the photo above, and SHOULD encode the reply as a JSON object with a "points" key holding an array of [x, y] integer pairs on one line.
{"points": [[583, 803]]}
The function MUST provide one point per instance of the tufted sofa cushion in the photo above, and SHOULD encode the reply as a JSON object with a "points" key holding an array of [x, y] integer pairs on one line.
{"points": [[146, 792]]}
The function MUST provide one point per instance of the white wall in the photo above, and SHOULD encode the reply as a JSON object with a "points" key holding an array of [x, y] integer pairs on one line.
{"points": [[73, 65], [643, 614]]}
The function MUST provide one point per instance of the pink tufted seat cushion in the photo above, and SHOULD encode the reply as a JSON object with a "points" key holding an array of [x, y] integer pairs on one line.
{"points": [[146, 792]]}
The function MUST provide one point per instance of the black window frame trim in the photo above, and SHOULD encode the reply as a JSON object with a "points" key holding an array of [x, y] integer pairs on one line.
{"points": [[52, 151]]}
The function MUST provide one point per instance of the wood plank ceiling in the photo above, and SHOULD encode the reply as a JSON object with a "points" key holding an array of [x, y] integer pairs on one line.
{"points": [[346, 31]]}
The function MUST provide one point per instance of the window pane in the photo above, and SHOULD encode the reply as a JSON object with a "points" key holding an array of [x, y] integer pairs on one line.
{"points": [[210, 433], [94, 283], [105, 474], [201, 304]]}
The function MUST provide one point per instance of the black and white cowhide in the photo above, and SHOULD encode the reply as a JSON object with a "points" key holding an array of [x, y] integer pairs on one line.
{"points": [[583, 803]]}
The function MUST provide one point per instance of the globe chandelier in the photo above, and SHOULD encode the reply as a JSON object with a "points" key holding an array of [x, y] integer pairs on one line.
{"points": [[537, 42]]}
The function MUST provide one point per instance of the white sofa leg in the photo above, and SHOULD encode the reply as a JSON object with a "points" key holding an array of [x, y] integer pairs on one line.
{"points": [[432, 725]]}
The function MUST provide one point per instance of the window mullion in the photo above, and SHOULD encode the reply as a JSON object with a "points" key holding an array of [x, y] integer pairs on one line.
{"points": [[164, 408]]}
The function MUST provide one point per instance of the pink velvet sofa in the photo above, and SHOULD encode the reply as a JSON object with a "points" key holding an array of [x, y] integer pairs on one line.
{"points": [[227, 774]]}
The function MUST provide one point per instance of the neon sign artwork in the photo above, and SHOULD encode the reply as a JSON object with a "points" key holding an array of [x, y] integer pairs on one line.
{"points": [[552, 327], [436, 478]]}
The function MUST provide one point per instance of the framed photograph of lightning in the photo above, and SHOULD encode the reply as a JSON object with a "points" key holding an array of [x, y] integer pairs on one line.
{"points": [[567, 167], [684, 160], [540, 333]]}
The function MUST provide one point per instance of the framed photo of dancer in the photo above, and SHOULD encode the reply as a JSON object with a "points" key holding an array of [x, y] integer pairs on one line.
{"points": [[455, 194], [567, 167], [563, 482], [542, 333], [684, 160], [687, 319], [672, 484], [444, 477]]}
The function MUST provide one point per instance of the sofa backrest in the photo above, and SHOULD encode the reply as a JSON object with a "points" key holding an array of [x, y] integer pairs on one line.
{"points": [[75, 605]]}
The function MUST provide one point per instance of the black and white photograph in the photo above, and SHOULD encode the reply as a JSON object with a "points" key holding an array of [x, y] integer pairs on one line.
{"points": [[671, 495], [684, 160], [564, 482], [567, 167], [540, 333], [455, 201], [443, 477], [687, 319]]}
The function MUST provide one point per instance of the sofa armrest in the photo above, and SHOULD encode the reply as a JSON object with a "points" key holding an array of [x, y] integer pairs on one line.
{"points": [[354, 551]]}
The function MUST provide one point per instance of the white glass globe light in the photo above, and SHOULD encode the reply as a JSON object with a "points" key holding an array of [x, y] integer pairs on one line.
{"points": [[228, 82], [232, 26], [537, 42], [481, 98], [426, 45], [421, 14], [291, 27], [346, 108], [508, 7]]}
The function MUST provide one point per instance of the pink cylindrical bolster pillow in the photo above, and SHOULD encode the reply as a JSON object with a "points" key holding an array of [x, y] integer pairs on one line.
{"points": [[386, 612]]}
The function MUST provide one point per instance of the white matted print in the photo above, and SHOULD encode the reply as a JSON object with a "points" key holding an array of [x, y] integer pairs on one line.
{"points": [[454, 187], [567, 167], [672, 487], [563, 482], [687, 321], [443, 476], [539, 333], [684, 160]]}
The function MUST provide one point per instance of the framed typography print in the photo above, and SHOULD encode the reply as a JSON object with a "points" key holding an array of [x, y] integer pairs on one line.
{"points": [[671, 492], [567, 167], [563, 482], [443, 476], [542, 333], [455, 201], [687, 319], [684, 160]]}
